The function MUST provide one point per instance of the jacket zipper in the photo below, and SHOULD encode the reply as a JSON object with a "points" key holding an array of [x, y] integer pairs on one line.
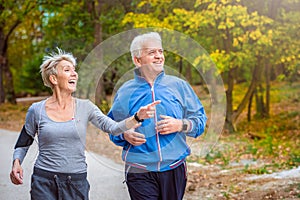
{"points": [[157, 135]]}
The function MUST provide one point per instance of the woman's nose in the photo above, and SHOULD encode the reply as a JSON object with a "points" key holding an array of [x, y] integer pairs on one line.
{"points": [[74, 73]]}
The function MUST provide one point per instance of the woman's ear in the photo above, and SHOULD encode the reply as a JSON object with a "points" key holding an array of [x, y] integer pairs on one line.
{"points": [[53, 79]]}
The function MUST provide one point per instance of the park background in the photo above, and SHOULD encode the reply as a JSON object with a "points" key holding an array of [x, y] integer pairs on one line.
{"points": [[255, 46]]}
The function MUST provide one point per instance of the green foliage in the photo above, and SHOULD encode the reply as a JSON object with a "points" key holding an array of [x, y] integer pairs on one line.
{"points": [[294, 160], [219, 157], [238, 34], [226, 195], [104, 107], [262, 170], [266, 145], [251, 150], [68, 26], [237, 37], [30, 80], [244, 35]]}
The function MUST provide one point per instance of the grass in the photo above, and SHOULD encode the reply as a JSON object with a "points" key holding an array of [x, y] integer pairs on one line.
{"points": [[12, 117]]}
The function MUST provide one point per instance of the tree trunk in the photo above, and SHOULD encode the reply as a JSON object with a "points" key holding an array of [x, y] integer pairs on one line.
{"points": [[273, 9], [2, 58], [249, 107], [9, 85], [260, 105], [229, 123], [229, 106], [255, 79], [5, 73], [212, 82], [268, 88], [2, 94], [188, 74], [7, 78], [100, 95], [180, 67]]}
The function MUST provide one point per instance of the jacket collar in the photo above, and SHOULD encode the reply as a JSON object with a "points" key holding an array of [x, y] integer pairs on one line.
{"points": [[139, 78]]}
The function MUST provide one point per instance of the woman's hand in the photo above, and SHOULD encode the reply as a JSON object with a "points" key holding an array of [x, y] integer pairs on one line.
{"points": [[147, 111], [16, 174], [144, 112]]}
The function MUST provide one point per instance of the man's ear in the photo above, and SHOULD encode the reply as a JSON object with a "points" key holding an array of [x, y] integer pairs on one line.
{"points": [[137, 61], [53, 79]]}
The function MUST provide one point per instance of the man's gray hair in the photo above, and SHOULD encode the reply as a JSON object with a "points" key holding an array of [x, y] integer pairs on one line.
{"points": [[50, 62], [139, 41]]}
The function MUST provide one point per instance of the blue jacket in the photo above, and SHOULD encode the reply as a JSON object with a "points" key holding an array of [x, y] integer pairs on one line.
{"points": [[178, 100]]}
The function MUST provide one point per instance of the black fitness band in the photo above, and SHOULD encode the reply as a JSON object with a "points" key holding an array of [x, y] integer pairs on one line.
{"points": [[137, 118], [24, 139]]}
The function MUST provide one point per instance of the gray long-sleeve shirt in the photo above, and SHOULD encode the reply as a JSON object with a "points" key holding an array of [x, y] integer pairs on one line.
{"points": [[62, 144]]}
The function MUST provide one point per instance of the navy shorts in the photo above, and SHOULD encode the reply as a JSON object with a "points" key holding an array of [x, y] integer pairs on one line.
{"points": [[58, 186], [145, 185]]}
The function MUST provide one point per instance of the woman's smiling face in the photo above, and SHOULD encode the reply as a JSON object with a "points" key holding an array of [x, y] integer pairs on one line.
{"points": [[66, 76]]}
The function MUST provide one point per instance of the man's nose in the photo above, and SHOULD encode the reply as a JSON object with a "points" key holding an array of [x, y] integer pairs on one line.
{"points": [[158, 53]]}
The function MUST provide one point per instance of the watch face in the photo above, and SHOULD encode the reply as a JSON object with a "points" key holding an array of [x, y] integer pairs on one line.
{"points": [[184, 127]]}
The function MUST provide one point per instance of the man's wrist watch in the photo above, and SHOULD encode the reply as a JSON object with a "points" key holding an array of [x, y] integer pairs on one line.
{"points": [[137, 118], [184, 126]]}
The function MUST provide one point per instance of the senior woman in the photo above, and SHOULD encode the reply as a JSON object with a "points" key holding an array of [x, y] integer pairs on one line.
{"points": [[60, 123]]}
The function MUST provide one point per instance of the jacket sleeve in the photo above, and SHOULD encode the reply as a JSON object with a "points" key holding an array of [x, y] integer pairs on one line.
{"points": [[118, 140], [118, 112], [193, 111]]}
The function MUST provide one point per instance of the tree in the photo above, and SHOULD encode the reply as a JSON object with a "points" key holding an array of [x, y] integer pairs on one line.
{"points": [[285, 35], [228, 31], [12, 15]]}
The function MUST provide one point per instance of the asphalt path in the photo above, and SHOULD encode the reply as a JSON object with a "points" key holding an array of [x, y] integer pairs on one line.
{"points": [[105, 176]]}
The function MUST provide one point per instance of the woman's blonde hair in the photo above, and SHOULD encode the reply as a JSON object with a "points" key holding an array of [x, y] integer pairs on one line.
{"points": [[50, 62]]}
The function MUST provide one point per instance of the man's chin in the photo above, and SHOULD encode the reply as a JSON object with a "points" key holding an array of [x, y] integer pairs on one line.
{"points": [[158, 66]]}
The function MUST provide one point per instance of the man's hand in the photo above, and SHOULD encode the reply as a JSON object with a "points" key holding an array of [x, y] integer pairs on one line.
{"points": [[134, 138], [168, 125], [16, 174]]}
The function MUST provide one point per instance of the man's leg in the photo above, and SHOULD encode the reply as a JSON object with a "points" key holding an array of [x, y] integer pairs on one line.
{"points": [[173, 183], [142, 185]]}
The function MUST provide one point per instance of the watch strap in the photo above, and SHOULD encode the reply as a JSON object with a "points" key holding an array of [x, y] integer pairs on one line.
{"points": [[184, 126]]}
